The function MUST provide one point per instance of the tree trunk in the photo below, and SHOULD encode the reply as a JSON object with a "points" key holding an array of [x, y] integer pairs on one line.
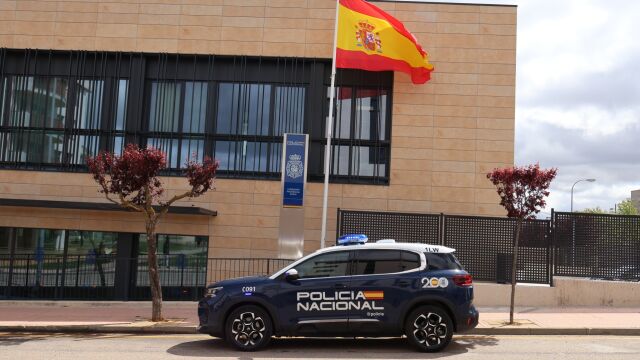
{"points": [[514, 265], [154, 274]]}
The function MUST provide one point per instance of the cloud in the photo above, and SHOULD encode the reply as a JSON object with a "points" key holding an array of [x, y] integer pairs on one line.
{"points": [[578, 86], [578, 96]]}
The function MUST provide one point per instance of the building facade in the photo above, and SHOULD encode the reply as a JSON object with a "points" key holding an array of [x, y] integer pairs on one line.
{"points": [[226, 79], [635, 198]]}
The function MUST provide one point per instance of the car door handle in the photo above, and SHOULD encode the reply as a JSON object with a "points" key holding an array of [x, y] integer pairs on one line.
{"points": [[404, 283], [340, 286]]}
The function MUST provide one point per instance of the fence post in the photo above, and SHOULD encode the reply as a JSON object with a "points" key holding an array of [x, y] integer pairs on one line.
{"points": [[56, 291], [10, 278], [441, 228], [338, 224], [552, 247]]}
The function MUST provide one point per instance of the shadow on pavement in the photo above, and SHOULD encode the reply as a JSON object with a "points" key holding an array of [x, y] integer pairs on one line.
{"points": [[289, 348]]}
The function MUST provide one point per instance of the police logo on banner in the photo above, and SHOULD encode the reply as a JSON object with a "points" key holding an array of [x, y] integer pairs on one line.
{"points": [[295, 168]]}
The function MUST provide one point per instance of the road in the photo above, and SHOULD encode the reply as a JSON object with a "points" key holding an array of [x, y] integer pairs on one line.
{"points": [[125, 347]]}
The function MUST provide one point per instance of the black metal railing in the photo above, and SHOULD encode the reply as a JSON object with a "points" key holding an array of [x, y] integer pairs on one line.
{"points": [[107, 277], [597, 246], [227, 268], [569, 244]]}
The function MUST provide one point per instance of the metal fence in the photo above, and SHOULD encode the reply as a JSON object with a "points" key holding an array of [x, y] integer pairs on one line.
{"points": [[570, 244], [484, 245], [405, 227], [597, 246], [57, 276], [183, 277]]}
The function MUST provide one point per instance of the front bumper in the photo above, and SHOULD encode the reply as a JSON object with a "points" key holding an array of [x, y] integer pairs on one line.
{"points": [[210, 320], [469, 320]]}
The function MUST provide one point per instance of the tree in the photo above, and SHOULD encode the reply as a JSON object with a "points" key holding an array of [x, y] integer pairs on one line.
{"points": [[595, 210], [522, 192], [131, 181], [626, 207]]}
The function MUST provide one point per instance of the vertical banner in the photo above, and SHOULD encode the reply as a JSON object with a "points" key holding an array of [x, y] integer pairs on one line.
{"points": [[294, 178], [294, 169]]}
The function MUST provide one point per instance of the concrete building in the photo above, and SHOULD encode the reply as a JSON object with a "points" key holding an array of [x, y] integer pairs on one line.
{"points": [[635, 198], [227, 78]]}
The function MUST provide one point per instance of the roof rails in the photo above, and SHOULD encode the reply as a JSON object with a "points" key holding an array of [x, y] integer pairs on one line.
{"points": [[386, 241]]}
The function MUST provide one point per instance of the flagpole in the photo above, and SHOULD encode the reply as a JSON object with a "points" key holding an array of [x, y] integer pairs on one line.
{"points": [[329, 133]]}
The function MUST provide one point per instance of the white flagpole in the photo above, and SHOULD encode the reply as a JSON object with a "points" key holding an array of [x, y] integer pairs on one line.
{"points": [[329, 131]]}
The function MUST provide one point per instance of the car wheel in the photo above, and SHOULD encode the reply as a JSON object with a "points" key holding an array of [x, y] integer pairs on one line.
{"points": [[429, 328], [248, 328]]}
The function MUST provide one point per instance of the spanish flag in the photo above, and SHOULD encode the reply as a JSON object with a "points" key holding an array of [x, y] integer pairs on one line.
{"points": [[370, 39]]}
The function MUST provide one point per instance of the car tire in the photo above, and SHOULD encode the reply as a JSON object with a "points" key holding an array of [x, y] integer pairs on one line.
{"points": [[429, 328], [248, 328]]}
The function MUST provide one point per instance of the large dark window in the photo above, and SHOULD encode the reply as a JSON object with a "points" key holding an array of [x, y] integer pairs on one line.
{"points": [[325, 265], [360, 132], [57, 108]]}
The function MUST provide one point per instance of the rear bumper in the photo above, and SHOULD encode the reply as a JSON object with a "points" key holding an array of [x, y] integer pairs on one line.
{"points": [[468, 320]]}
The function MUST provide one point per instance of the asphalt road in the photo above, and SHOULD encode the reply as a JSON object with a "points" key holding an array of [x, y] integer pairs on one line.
{"points": [[124, 347]]}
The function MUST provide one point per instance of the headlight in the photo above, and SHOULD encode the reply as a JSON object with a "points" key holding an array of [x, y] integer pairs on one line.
{"points": [[212, 292]]}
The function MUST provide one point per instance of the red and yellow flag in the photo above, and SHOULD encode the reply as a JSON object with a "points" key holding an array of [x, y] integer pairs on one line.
{"points": [[370, 39]]}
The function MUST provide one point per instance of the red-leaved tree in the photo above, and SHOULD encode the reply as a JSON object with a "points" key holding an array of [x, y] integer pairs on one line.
{"points": [[131, 180], [522, 192]]}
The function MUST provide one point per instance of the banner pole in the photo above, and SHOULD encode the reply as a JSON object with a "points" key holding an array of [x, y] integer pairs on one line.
{"points": [[329, 133]]}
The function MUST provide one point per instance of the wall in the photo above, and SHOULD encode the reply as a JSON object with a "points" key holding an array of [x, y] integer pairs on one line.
{"points": [[566, 291], [446, 134]]}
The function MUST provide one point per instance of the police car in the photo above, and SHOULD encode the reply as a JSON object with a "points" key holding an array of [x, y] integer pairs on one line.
{"points": [[354, 289]]}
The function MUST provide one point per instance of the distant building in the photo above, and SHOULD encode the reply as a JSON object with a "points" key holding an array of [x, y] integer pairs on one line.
{"points": [[635, 198]]}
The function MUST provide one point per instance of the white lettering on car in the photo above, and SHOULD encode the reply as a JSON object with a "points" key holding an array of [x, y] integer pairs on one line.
{"points": [[339, 300], [431, 283]]}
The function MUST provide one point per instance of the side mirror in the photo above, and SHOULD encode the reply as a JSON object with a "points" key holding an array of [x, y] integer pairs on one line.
{"points": [[291, 275]]}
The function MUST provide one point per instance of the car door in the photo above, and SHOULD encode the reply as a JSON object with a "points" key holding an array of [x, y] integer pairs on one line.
{"points": [[383, 281], [316, 303]]}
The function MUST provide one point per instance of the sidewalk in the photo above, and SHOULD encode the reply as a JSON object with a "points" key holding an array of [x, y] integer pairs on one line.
{"points": [[133, 317]]}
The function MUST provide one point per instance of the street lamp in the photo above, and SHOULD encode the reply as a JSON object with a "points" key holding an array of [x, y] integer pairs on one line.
{"points": [[574, 184]]}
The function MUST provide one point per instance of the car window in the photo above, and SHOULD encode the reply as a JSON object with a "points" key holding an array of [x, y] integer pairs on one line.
{"points": [[410, 260], [370, 262], [324, 265], [437, 261]]}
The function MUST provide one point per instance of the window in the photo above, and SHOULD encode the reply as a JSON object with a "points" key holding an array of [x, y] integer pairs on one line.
{"points": [[43, 125], [59, 107], [370, 262], [39, 242], [410, 260], [34, 111], [5, 241], [176, 245], [438, 261], [250, 120], [177, 112], [324, 265], [360, 133], [92, 243]]}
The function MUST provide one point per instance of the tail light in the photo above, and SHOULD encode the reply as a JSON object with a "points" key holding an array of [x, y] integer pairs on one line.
{"points": [[463, 280]]}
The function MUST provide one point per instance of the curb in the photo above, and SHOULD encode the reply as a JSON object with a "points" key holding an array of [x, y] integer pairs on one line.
{"points": [[99, 329], [555, 331], [192, 330]]}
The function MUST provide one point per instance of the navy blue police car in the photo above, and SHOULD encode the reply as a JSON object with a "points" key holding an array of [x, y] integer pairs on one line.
{"points": [[355, 289]]}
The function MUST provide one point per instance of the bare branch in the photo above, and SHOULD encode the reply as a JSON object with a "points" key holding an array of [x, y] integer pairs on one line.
{"points": [[164, 207], [128, 204]]}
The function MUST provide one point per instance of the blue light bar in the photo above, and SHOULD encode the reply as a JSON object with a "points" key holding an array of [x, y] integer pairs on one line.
{"points": [[352, 239]]}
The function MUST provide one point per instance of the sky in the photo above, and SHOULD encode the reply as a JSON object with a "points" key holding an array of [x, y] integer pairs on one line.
{"points": [[578, 97]]}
